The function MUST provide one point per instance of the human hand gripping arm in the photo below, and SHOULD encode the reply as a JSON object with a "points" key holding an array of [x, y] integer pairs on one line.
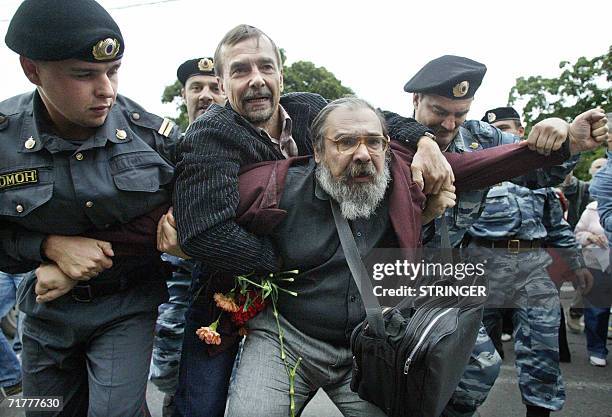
{"points": [[430, 169], [437, 204], [51, 283], [586, 132], [167, 236], [80, 258]]}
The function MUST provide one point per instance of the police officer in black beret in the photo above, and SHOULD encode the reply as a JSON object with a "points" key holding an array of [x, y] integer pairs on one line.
{"points": [[200, 86], [444, 90], [79, 160], [505, 119]]}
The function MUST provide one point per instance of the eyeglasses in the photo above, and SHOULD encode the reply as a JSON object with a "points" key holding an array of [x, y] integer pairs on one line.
{"points": [[347, 144]]}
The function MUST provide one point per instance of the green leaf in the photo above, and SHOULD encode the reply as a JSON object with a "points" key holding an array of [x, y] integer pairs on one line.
{"points": [[579, 87]]}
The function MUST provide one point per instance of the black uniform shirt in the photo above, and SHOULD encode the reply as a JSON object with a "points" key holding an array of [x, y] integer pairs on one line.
{"points": [[49, 185]]}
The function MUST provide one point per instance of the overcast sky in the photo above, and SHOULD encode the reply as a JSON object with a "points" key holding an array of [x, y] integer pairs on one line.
{"points": [[372, 46]]}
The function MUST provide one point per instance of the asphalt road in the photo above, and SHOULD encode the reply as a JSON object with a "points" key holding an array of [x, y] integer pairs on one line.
{"points": [[589, 389]]}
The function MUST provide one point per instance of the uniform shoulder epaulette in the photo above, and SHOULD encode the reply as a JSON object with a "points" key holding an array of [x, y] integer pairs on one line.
{"points": [[163, 126], [140, 117], [166, 127]]}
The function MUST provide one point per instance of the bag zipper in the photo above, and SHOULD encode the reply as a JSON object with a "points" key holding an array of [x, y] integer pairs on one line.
{"points": [[422, 339]]}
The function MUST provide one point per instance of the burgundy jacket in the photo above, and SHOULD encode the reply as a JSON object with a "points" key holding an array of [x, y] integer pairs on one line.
{"points": [[261, 185]]}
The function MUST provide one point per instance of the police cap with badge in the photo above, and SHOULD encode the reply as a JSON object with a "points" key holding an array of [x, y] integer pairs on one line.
{"points": [[450, 76], [55, 30], [197, 66], [501, 113]]}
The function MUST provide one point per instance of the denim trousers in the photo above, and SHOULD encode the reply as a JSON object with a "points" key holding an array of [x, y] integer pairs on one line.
{"points": [[10, 369], [203, 379], [597, 312]]}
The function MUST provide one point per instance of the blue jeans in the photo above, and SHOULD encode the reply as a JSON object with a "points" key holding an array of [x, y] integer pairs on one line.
{"points": [[597, 312], [203, 379], [10, 369]]}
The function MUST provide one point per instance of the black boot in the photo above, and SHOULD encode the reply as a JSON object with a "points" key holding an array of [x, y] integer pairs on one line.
{"points": [[535, 411]]}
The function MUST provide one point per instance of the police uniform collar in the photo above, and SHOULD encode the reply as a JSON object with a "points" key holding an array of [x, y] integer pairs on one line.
{"points": [[115, 129], [457, 144], [36, 138]]}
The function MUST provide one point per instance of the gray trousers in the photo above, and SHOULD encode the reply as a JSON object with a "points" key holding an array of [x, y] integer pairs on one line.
{"points": [[95, 355], [261, 385]]}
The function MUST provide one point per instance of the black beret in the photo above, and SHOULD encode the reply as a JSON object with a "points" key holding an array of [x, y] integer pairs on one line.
{"points": [[54, 30], [449, 76], [501, 113], [197, 66]]}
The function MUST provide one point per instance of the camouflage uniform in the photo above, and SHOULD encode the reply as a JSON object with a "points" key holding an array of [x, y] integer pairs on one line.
{"points": [[521, 279], [170, 327], [473, 136], [482, 370]]}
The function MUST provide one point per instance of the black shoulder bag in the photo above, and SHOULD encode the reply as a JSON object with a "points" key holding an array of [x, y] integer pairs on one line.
{"points": [[407, 361]]}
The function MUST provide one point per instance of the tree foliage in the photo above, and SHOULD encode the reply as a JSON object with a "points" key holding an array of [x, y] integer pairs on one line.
{"points": [[172, 94], [581, 86], [301, 76]]}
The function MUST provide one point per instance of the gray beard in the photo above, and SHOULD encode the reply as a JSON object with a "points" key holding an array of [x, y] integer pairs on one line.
{"points": [[357, 200], [259, 116]]}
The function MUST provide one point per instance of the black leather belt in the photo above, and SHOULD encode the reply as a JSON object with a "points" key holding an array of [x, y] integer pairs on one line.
{"points": [[511, 245], [85, 292], [121, 278]]}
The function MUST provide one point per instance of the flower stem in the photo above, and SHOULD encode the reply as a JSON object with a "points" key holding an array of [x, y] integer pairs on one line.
{"points": [[291, 372]]}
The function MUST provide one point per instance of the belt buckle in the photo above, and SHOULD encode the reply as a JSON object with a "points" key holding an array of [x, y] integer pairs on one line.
{"points": [[514, 250], [82, 293]]}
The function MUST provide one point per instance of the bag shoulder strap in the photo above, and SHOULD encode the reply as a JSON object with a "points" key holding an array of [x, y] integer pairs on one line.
{"points": [[359, 272]]}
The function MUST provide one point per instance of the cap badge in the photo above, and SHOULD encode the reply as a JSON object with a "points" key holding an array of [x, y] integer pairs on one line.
{"points": [[30, 143], [461, 89], [106, 49], [121, 135], [491, 117], [205, 64]]}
